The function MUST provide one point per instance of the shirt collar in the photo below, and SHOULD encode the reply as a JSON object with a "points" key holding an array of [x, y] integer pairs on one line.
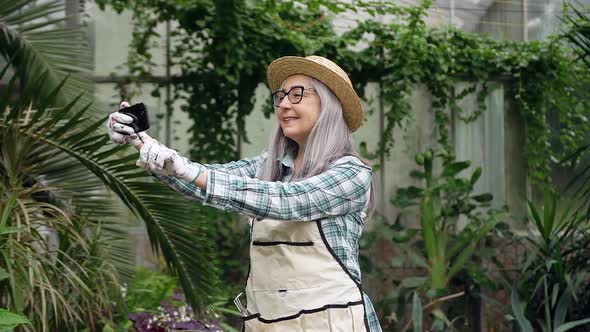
{"points": [[288, 160]]}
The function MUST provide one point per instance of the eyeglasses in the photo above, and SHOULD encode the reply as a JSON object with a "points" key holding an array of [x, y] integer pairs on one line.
{"points": [[295, 95]]}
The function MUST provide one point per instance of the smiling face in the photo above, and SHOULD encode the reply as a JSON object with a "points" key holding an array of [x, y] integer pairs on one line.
{"points": [[297, 120]]}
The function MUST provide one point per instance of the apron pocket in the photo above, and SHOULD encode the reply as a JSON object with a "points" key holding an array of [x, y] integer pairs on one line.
{"points": [[282, 266], [274, 304]]}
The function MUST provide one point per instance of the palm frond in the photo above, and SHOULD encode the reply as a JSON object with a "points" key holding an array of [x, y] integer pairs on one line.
{"points": [[70, 152], [35, 40], [47, 277], [578, 29], [50, 136]]}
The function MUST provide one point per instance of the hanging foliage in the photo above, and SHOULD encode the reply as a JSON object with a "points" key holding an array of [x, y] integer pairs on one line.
{"points": [[222, 49]]}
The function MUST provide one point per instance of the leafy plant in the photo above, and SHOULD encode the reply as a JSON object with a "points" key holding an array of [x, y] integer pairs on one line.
{"points": [[9, 320], [173, 314], [445, 198], [58, 271], [550, 278], [152, 301], [577, 30], [454, 223], [147, 289], [55, 169], [441, 321], [39, 42]]}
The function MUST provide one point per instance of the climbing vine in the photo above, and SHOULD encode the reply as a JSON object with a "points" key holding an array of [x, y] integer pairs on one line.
{"points": [[222, 49], [547, 85]]}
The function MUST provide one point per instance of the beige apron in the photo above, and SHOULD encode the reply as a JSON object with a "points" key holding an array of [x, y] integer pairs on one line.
{"points": [[296, 283]]}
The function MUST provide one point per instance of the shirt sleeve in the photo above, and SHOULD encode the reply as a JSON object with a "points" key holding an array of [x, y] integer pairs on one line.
{"points": [[246, 167], [340, 190]]}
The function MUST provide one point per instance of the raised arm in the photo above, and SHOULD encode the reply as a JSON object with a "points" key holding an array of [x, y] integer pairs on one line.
{"points": [[341, 190], [242, 168], [180, 174]]}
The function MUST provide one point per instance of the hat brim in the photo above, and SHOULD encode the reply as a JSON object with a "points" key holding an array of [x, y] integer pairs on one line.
{"points": [[280, 69]]}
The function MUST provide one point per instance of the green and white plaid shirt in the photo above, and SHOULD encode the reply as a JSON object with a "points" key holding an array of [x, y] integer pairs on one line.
{"points": [[339, 197]]}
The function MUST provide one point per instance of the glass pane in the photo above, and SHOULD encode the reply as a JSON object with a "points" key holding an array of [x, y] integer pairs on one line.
{"points": [[543, 18], [482, 143], [503, 20]]}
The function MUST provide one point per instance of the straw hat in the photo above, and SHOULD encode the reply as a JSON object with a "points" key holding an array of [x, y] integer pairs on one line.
{"points": [[326, 72]]}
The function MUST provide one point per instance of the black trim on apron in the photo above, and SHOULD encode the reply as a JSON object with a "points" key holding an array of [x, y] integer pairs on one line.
{"points": [[249, 266], [275, 243], [305, 311], [366, 319]]}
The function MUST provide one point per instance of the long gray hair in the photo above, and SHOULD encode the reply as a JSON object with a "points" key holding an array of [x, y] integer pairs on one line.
{"points": [[329, 140]]}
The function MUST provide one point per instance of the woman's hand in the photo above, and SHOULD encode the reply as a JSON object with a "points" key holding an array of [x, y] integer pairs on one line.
{"points": [[153, 156], [157, 158], [119, 131]]}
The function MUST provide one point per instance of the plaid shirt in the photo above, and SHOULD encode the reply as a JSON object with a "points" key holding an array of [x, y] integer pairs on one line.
{"points": [[339, 197]]}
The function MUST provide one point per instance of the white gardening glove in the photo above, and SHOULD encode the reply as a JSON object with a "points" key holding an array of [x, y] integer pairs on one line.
{"points": [[157, 158], [118, 130]]}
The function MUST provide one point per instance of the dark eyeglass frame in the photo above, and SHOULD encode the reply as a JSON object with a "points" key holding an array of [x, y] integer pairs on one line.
{"points": [[279, 95]]}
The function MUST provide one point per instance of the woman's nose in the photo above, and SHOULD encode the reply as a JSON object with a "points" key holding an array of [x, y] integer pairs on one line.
{"points": [[285, 103]]}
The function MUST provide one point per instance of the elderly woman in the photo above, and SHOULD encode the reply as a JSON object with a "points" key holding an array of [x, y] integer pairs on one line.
{"points": [[308, 196]]}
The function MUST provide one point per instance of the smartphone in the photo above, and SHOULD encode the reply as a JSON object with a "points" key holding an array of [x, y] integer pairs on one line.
{"points": [[139, 113]]}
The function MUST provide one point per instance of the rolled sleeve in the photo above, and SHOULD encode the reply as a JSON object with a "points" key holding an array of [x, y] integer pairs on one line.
{"points": [[341, 190]]}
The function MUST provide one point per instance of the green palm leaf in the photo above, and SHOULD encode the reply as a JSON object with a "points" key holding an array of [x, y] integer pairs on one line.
{"points": [[72, 155], [578, 32], [60, 144], [34, 38]]}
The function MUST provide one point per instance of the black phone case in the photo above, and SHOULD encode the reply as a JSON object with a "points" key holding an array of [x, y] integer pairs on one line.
{"points": [[139, 113]]}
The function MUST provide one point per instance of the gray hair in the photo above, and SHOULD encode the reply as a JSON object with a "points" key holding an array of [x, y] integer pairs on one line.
{"points": [[329, 140]]}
